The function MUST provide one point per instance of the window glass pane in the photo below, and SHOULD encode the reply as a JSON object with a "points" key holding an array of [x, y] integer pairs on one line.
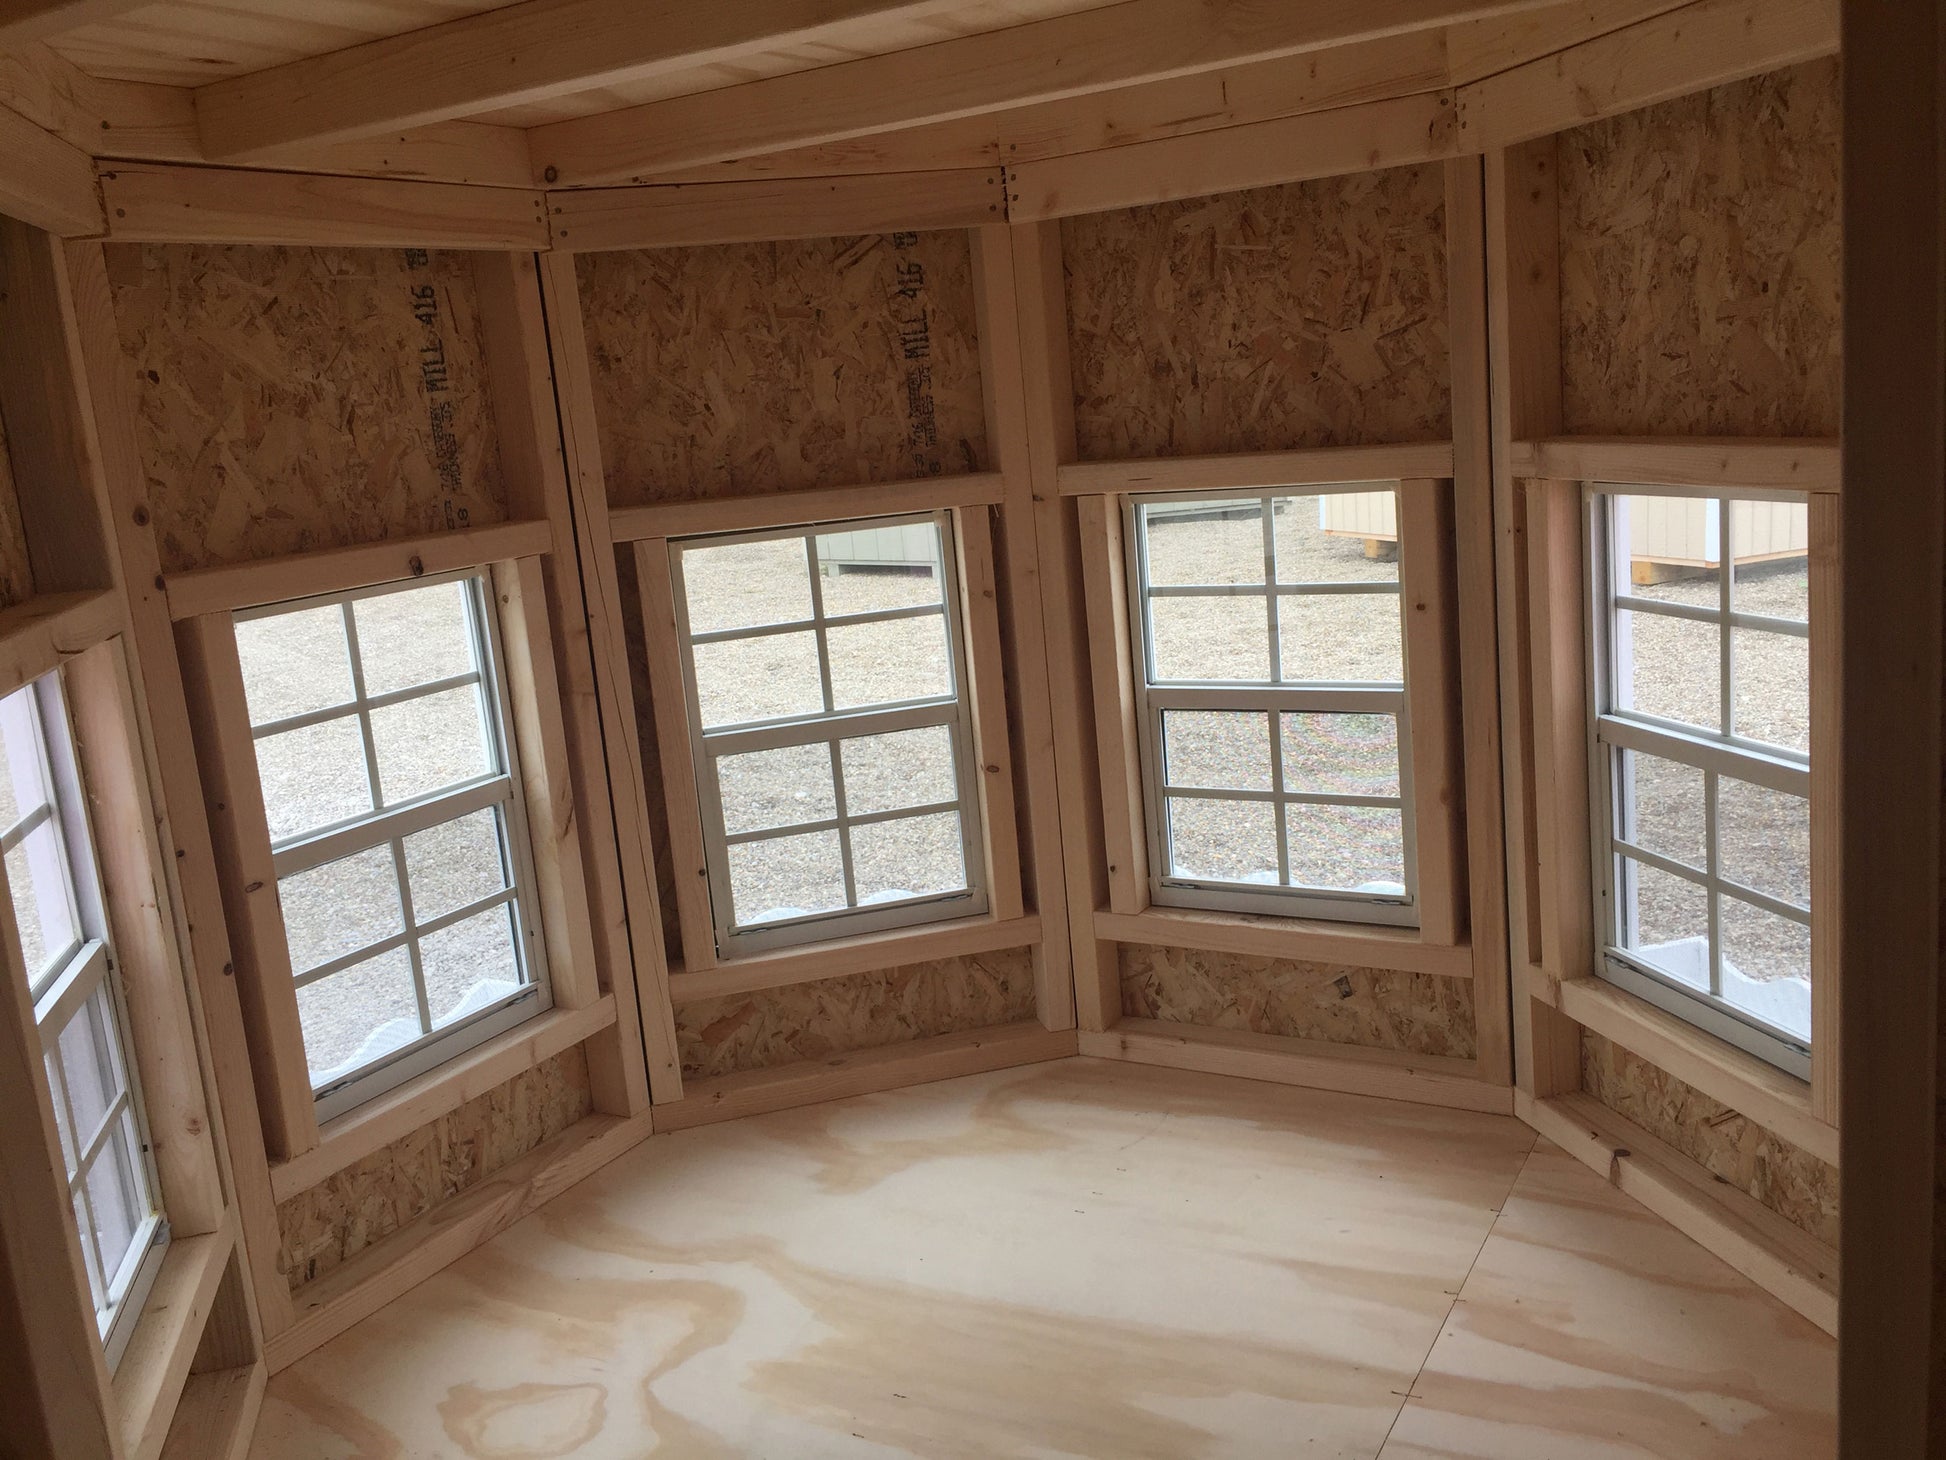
{"points": [[340, 907], [88, 1254], [1662, 807], [786, 877], [54, 1085], [913, 856], [1338, 537], [431, 742], [1340, 636], [24, 787], [1201, 542], [471, 965], [894, 659], [358, 1015], [111, 1194], [37, 878], [765, 789], [1349, 848], [294, 663], [455, 863], [1773, 687], [1216, 750], [1764, 839], [1669, 549], [1771, 576], [93, 1083], [902, 768], [879, 567], [745, 585], [770, 678], [313, 777], [1222, 841], [414, 636], [1210, 639], [1767, 966], [1671, 924], [1670, 667], [1341, 755]]}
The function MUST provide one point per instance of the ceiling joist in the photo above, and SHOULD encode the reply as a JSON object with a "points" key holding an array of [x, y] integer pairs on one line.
{"points": [[1072, 55], [32, 20], [509, 57]]}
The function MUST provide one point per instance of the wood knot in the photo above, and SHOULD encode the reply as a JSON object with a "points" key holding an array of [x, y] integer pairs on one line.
{"points": [[417, 565], [141, 515]]}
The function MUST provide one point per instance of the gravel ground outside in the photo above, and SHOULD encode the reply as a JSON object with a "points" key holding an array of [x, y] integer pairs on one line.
{"points": [[312, 777]]}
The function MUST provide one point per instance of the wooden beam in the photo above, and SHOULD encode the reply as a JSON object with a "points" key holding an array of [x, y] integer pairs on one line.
{"points": [[1360, 138], [162, 204], [1257, 471], [514, 56], [1699, 461], [1892, 663], [1700, 46], [794, 509], [45, 181], [1069, 55], [678, 214], [32, 20], [41, 634], [299, 575]]}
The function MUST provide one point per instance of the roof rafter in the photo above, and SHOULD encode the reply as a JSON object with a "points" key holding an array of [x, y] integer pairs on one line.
{"points": [[508, 57], [1070, 55]]}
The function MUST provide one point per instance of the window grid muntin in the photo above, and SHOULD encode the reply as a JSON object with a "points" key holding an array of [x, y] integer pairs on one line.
{"points": [[830, 727], [79, 980], [390, 825], [1276, 696], [1718, 752]]}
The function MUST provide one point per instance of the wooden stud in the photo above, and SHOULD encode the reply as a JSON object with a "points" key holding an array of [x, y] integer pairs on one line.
{"points": [[799, 509], [682, 215], [675, 745], [604, 699], [1433, 705], [396, 560], [1361, 138], [239, 825], [1111, 658], [45, 182], [1257, 471], [1827, 805], [159, 203], [1003, 381], [1475, 582], [987, 681]]}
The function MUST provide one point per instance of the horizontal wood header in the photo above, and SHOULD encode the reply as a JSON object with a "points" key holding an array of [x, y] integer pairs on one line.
{"points": [[1257, 471], [793, 509], [1802, 465]]}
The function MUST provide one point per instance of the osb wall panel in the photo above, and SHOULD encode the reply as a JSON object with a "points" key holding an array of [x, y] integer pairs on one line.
{"points": [[348, 1212], [1732, 1147], [1700, 263], [16, 573], [781, 366], [859, 1011], [300, 398], [1337, 1003], [1312, 314]]}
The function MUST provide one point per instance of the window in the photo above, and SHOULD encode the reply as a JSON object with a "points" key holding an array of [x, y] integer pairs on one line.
{"points": [[397, 829], [70, 970], [828, 707], [1701, 760], [1273, 708]]}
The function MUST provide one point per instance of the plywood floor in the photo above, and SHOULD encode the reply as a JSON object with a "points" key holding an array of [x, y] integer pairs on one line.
{"points": [[1078, 1259]]}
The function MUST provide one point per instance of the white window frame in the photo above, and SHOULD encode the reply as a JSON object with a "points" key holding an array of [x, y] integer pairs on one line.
{"points": [[954, 711], [1716, 755], [391, 826], [61, 993], [1154, 697]]}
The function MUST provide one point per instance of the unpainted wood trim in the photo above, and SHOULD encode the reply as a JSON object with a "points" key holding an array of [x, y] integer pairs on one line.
{"points": [[801, 509], [46, 631], [1827, 806], [863, 953], [1431, 645], [1774, 463], [149, 1381], [1258, 471], [1258, 935], [216, 1418], [1385, 1073], [987, 684], [291, 576], [1112, 665]]}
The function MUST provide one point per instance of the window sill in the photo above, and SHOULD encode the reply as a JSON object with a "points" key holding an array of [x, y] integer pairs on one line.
{"points": [[1778, 1101], [859, 954], [149, 1380], [373, 1126], [1260, 935]]}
